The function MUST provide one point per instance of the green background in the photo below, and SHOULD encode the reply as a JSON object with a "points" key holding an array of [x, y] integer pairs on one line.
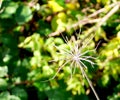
{"points": [[29, 29]]}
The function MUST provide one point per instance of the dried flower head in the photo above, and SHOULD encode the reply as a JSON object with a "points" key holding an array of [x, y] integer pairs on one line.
{"points": [[75, 56]]}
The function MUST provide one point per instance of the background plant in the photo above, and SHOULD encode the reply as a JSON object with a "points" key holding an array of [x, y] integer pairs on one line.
{"points": [[30, 28]]}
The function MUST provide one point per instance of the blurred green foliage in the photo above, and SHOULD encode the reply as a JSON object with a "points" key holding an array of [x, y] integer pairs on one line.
{"points": [[27, 47]]}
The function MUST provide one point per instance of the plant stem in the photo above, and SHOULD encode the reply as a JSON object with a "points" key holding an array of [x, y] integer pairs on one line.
{"points": [[90, 83], [88, 19]]}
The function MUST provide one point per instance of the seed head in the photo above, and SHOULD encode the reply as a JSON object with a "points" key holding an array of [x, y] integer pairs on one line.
{"points": [[76, 56]]}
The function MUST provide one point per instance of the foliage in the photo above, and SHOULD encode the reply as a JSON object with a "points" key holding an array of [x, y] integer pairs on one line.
{"points": [[32, 32]]}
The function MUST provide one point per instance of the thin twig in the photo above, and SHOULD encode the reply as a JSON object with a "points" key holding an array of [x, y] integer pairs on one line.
{"points": [[104, 19], [101, 21], [102, 10], [88, 20], [83, 22]]}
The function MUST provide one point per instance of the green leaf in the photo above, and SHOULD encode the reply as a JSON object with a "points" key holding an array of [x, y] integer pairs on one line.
{"points": [[61, 2], [9, 8], [58, 22], [23, 14], [3, 84], [58, 94], [3, 71], [4, 95], [20, 92], [12, 97], [44, 28]]}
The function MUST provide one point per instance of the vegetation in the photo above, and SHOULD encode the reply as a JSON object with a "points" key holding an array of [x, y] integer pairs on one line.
{"points": [[59, 49]]}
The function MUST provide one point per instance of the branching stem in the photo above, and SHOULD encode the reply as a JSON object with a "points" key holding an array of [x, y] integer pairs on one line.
{"points": [[88, 19]]}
